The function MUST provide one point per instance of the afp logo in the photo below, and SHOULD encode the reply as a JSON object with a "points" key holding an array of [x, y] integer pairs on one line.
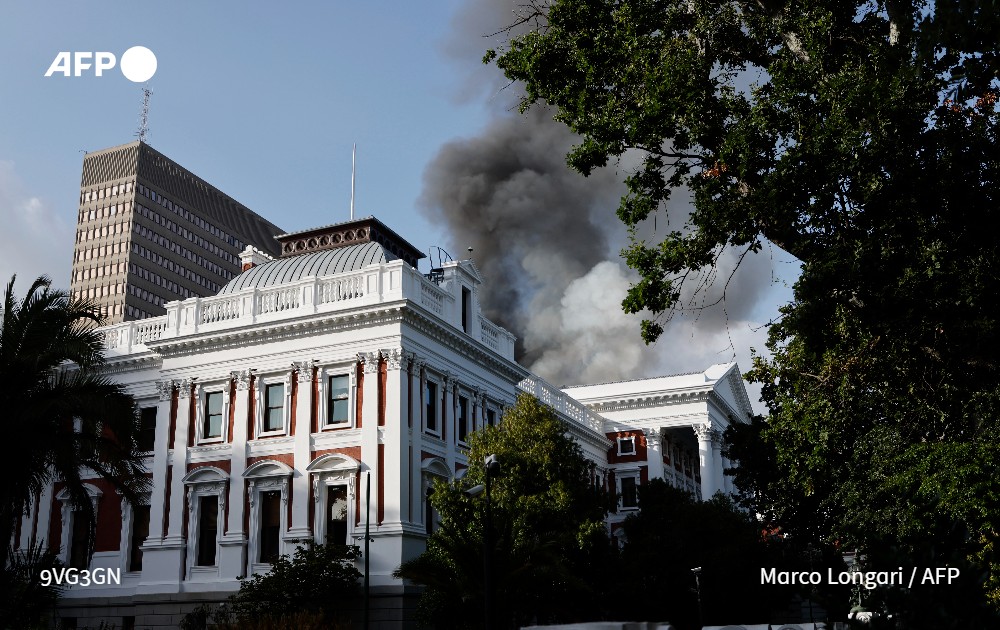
{"points": [[138, 64]]}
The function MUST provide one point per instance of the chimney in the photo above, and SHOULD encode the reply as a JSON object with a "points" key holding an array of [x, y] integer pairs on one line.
{"points": [[251, 257]]}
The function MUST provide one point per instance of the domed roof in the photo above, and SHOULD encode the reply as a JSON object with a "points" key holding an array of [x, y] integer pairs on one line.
{"points": [[322, 263]]}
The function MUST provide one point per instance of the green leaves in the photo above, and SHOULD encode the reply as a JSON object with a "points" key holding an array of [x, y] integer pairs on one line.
{"points": [[318, 579], [548, 528], [862, 138], [60, 408]]}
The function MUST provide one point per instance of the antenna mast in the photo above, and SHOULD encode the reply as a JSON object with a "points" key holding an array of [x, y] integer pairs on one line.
{"points": [[144, 116], [354, 153]]}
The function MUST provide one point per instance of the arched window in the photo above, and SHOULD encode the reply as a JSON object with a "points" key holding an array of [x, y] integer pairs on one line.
{"points": [[267, 491], [206, 493], [432, 468], [333, 483], [74, 541]]}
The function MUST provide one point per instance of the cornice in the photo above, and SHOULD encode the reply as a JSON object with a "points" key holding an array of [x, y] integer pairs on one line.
{"points": [[584, 433], [430, 325], [640, 401], [278, 330], [131, 363], [302, 326]]}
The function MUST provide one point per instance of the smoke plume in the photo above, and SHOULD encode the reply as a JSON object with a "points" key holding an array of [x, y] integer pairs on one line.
{"points": [[547, 242]]}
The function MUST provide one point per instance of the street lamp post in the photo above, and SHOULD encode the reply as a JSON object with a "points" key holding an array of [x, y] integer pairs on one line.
{"points": [[697, 587], [492, 469]]}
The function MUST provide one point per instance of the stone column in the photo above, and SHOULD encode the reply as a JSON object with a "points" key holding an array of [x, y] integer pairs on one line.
{"points": [[654, 453], [300, 529], [233, 555], [728, 479], [720, 477], [706, 454], [396, 440]]}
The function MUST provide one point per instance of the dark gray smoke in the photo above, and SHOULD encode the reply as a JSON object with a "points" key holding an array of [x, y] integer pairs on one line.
{"points": [[547, 240], [534, 224]]}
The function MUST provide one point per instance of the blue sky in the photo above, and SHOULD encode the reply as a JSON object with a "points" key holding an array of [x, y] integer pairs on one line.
{"points": [[261, 100], [264, 100]]}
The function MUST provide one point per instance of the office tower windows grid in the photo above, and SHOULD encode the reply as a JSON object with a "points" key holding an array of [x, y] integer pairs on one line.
{"points": [[150, 232]]}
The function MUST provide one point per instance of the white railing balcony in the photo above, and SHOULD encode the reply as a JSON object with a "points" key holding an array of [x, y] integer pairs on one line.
{"points": [[377, 284], [566, 406], [131, 337]]}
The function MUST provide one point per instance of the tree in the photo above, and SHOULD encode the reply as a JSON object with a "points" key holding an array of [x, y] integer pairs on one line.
{"points": [[674, 533], [62, 415], [548, 528], [317, 583], [27, 598], [861, 137]]}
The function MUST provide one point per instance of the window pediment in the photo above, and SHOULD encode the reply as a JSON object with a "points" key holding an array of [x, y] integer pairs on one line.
{"points": [[205, 474], [267, 468]]}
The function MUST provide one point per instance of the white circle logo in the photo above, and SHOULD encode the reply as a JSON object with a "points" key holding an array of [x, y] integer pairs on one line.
{"points": [[138, 64]]}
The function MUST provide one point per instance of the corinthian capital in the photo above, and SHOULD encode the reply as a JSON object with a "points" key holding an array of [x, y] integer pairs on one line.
{"points": [[705, 432], [394, 358], [165, 389], [370, 359]]}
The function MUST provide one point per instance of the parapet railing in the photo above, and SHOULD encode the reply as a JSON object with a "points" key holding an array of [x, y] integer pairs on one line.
{"points": [[562, 403], [370, 286]]}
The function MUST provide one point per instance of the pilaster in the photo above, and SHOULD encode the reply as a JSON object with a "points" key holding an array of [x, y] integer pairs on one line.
{"points": [[370, 431], [448, 431], [396, 440], [161, 456], [300, 530], [233, 544], [417, 407]]}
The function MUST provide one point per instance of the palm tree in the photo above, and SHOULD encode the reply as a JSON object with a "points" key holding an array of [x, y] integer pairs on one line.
{"points": [[60, 414]]}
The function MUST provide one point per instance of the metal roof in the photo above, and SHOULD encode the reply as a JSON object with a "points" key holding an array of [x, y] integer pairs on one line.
{"points": [[321, 263]]}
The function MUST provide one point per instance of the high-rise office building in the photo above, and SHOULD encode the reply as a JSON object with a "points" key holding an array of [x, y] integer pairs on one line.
{"points": [[149, 232]]}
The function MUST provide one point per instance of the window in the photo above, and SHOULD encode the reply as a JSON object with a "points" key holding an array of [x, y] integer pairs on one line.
{"points": [[336, 515], [337, 409], [629, 493], [147, 429], [491, 417], [430, 395], [208, 527], [429, 516], [213, 416], [626, 446], [466, 309], [140, 530], [463, 418], [270, 525], [78, 551], [274, 401]]}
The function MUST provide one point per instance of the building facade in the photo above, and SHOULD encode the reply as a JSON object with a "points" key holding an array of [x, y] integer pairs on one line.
{"points": [[149, 232], [270, 405]]}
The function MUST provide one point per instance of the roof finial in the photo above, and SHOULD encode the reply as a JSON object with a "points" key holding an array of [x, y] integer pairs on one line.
{"points": [[354, 153]]}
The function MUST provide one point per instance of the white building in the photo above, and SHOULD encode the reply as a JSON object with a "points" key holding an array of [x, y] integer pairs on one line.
{"points": [[267, 405]]}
